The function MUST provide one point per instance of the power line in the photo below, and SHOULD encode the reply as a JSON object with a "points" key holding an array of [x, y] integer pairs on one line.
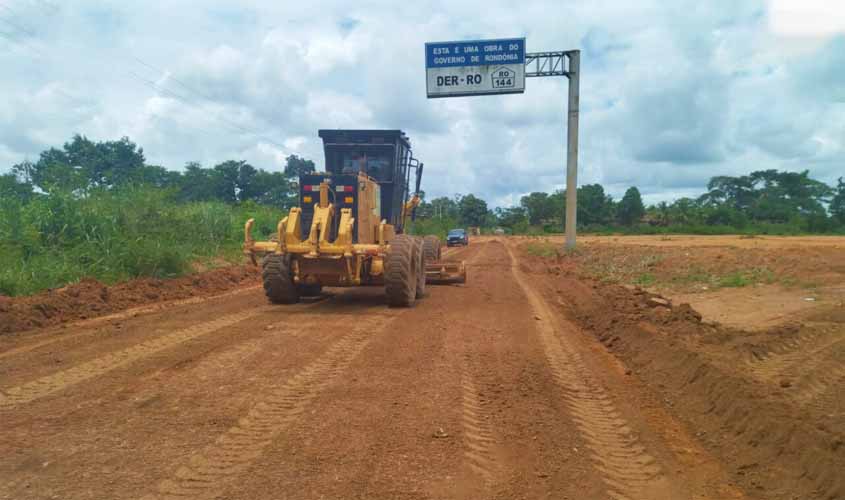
{"points": [[171, 77], [16, 25], [207, 98], [158, 87], [43, 55]]}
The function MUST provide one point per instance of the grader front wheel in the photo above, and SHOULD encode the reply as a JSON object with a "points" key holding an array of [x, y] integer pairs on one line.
{"points": [[278, 282], [401, 271]]}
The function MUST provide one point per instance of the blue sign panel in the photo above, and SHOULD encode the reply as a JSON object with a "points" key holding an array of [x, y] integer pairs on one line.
{"points": [[475, 53], [477, 67]]}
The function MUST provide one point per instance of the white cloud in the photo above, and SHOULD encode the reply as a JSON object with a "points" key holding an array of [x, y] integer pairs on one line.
{"points": [[807, 18], [672, 92]]}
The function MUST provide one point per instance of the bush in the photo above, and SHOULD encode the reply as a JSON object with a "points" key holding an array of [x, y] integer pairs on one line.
{"points": [[116, 235]]}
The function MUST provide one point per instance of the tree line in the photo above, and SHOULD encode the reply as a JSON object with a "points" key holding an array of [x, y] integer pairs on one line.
{"points": [[81, 166], [764, 200]]}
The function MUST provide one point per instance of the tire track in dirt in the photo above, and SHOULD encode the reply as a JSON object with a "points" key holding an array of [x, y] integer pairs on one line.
{"points": [[455, 252], [475, 422], [477, 431], [58, 381], [206, 473], [627, 469], [128, 313], [213, 370], [814, 371]]}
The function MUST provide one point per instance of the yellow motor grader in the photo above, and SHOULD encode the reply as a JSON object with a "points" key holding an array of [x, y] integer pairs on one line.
{"points": [[349, 227]]}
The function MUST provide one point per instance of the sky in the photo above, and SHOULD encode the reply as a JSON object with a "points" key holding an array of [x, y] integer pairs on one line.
{"points": [[673, 92]]}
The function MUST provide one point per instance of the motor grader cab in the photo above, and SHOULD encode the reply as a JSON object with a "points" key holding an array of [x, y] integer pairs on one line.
{"points": [[349, 228]]}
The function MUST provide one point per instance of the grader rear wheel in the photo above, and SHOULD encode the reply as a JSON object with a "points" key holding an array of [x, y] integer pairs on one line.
{"points": [[278, 283], [431, 249], [401, 271]]}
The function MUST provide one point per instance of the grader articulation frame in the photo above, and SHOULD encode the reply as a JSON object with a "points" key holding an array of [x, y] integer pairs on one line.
{"points": [[349, 227]]}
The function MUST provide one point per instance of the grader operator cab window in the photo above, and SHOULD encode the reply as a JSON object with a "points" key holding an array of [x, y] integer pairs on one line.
{"points": [[375, 164], [383, 155]]}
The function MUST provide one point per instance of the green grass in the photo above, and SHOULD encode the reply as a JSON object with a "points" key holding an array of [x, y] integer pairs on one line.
{"points": [[645, 279], [542, 249], [433, 226], [734, 280], [113, 236], [747, 277]]}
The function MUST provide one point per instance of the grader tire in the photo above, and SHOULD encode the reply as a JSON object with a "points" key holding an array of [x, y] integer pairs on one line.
{"points": [[309, 290], [431, 249], [420, 260], [278, 282], [400, 277]]}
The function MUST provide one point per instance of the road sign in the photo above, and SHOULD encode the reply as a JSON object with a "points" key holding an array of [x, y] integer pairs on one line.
{"points": [[479, 67]]}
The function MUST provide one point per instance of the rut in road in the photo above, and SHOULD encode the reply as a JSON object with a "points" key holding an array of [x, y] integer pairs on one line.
{"points": [[627, 469], [205, 474], [55, 382], [128, 313], [475, 420], [814, 371], [478, 435]]}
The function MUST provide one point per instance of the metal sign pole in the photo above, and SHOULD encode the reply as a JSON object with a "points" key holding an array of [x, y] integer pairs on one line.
{"points": [[486, 67], [572, 148]]}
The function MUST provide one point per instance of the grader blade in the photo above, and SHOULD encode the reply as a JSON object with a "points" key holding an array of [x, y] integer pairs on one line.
{"points": [[441, 273]]}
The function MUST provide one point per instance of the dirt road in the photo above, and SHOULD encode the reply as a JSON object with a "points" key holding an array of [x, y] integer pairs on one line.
{"points": [[483, 390]]}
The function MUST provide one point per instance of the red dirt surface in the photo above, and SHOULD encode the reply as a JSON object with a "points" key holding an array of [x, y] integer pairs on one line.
{"points": [[531, 380], [768, 402], [89, 298]]}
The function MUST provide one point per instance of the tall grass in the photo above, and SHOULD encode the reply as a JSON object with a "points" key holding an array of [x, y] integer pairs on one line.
{"points": [[115, 235], [434, 226]]}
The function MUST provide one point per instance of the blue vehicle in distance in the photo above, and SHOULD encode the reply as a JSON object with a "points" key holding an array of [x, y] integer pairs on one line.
{"points": [[457, 237]]}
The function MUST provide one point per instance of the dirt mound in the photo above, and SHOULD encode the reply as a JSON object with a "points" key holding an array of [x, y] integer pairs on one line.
{"points": [[751, 397], [89, 298]]}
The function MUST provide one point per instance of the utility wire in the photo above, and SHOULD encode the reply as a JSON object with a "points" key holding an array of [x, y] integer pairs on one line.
{"points": [[14, 24], [158, 88], [20, 41], [207, 98], [149, 83]]}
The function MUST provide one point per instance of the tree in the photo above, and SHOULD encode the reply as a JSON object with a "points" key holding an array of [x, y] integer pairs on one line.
{"points": [[197, 183], [630, 208], [444, 207], [770, 196], [510, 217], [837, 204], [594, 206], [225, 179], [272, 188], [84, 164], [735, 191], [104, 164], [538, 206], [51, 172], [160, 177], [296, 166], [473, 211], [684, 211], [13, 189]]}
